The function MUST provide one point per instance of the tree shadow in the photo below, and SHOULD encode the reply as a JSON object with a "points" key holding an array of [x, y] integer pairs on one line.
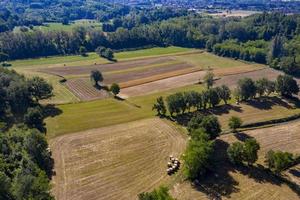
{"points": [[242, 136], [266, 103], [51, 111], [295, 172], [218, 182], [224, 109]]}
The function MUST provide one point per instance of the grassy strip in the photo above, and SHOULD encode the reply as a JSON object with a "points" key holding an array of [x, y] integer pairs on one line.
{"points": [[272, 121]]}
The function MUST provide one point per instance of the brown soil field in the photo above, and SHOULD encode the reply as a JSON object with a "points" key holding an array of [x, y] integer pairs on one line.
{"points": [[250, 183], [293, 174], [84, 90], [124, 65], [116, 162], [162, 85], [172, 80]]}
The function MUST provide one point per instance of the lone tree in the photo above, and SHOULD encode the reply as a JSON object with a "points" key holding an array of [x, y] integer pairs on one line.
{"points": [[115, 89], [105, 53], [251, 148], [96, 76], [209, 79], [286, 85], [279, 161], [160, 107], [235, 123], [235, 153]]}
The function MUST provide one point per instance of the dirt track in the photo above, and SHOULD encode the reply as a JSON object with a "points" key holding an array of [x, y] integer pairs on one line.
{"points": [[116, 162]]}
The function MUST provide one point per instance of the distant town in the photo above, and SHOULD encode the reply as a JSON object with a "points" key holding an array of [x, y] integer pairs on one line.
{"points": [[286, 6]]}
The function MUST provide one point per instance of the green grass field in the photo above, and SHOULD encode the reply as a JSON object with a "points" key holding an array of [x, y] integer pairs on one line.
{"points": [[210, 60], [105, 112], [70, 26], [77, 60]]}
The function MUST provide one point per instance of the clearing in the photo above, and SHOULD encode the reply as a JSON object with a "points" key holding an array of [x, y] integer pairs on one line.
{"points": [[116, 162]]}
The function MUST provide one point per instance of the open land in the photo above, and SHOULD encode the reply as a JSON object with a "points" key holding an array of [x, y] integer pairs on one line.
{"points": [[100, 144], [116, 162], [254, 182]]}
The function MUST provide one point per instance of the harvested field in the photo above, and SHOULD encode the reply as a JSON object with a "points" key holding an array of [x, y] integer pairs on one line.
{"points": [[84, 90], [231, 79], [162, 85], [116, 162], [248, 182], [125, 65]]}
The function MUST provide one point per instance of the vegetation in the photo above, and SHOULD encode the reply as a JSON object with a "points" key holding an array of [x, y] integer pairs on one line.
{"points": [[115, 89], [235, 123], [160, 107], [162, 193], [247, 152], [197, 158], [25, 161], [209, 79], [96, 76], [279, 161], [105, 53], [286, 85]]}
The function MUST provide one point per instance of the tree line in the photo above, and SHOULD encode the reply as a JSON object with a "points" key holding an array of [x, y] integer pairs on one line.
{"points": [[247, 89], [25, 160]]}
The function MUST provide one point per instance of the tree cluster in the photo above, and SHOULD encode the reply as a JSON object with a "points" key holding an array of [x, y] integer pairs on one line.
{"points": [[247, 152], [25, 159], [278, 161], [19, 98], [179, 102], [248, 89]]}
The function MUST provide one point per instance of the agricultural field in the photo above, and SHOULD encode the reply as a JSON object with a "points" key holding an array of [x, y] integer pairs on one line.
{"points": [[73, 24], [254, 182], [117, 162]]}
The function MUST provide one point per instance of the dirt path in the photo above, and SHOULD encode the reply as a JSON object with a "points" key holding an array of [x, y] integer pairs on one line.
{"points": [[116, 162]]}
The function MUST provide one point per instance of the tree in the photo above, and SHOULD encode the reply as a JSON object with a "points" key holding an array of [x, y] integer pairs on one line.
{"points": [[82, 51], [209, 124], [247, 89], [276, 49], [34, 118], [286, 85], [160, 107], [209, 79], [96, 76], [235, 153], [234, 123], [213, 97], [197, 157], [176, 103], [162, 193], [115, 89], [105, 52], [224, 93], [279, 161], [251, 148], [40, 89]]}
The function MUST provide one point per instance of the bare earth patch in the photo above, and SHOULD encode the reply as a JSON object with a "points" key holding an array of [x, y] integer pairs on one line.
{"points": [[116, 162]]}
